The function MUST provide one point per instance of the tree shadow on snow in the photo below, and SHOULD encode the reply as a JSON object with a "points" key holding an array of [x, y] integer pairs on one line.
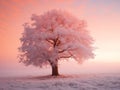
{"points": [[46, 77]]}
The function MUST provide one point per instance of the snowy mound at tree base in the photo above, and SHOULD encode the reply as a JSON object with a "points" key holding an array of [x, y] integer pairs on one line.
{"points": [[73, 82]]}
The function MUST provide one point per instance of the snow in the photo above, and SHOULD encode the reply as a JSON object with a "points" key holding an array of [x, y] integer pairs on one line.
{"points": [[67, 82]]}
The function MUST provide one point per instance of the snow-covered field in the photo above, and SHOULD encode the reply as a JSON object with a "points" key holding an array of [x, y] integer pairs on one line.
{"points": [[68, 82]]}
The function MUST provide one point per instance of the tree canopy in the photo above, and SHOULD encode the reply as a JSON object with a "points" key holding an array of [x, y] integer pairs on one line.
{"points": [[53, 36]]}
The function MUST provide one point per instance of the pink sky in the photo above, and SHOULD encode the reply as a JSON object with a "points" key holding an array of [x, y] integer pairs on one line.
{"points": [[103, 19]]}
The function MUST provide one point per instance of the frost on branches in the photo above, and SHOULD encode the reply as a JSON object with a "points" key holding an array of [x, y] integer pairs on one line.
{"points": [[53, 36]]}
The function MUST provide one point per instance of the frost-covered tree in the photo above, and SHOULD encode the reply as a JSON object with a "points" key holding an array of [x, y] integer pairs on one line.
{"points": [[53, 36]]}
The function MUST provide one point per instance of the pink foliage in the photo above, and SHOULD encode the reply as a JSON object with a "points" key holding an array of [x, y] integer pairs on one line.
{"points": [[53, 36]]}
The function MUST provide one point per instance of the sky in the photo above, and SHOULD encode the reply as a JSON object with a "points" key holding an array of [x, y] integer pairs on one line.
{"points": [[103, 22]]}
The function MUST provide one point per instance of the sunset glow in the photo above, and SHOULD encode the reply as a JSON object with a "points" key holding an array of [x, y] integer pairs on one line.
{"points": [[103, 22]]}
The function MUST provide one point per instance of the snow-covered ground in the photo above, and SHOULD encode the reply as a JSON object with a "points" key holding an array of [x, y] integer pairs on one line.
{"points": [[68, 82]]}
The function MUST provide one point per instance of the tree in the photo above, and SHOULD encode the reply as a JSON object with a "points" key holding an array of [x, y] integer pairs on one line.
{"points": [[53, 36]]}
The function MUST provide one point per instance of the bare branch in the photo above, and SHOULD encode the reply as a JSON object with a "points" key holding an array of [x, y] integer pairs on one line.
{"points": [[70, 55], [56, 41], [65, 56], [66, 49], [62, 51], [50, 41]]}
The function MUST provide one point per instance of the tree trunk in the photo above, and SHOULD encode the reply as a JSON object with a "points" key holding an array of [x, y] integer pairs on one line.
{"points": [[55, 70]]}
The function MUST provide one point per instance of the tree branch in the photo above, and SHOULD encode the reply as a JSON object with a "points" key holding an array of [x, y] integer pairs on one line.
{"points": [[65, 56], [70, 55], [50, 41], [56, 41], [63, 50]]}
